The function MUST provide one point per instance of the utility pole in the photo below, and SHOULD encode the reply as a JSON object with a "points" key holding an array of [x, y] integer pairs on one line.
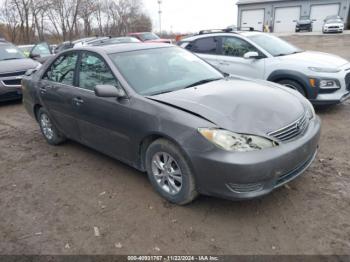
{"points": [[160, 16]]}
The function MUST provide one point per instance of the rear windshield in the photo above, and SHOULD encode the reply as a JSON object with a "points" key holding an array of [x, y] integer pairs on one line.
{"points": [[10, 52]]}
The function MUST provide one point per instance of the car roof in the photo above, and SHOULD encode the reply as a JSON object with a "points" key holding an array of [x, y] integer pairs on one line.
{"points": [[122, 48], [239, 33]]}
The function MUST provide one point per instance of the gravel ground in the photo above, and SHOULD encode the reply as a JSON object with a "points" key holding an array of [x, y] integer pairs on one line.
{"points": [[73, 200]]}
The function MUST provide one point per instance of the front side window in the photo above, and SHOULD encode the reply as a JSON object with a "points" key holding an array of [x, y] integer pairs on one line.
{"points": [[161, 70], [206, 45], [62, 70], [42, 50], [94, 71], [234, 46]]}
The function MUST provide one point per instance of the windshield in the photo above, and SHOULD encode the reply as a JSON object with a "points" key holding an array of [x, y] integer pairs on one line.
{"points": [[161, 70], [148, 36], [10, 52], [274, 45]]}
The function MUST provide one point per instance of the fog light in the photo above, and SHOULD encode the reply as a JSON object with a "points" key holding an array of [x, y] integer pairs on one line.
{"points": [[245, 188]]}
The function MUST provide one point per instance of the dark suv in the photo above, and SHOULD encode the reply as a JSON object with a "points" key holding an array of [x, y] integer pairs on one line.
{"points": [[13, 66], [303, 25]]}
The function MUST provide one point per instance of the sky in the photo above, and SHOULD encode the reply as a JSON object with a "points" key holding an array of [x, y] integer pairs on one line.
{"points": [[192, 15]]}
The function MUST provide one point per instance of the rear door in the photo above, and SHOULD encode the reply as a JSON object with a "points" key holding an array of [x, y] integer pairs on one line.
{"points": [[104, 122], [231, 60], [57, 92], [253, 18], [320, 12], [285, 19], [207, 48]]}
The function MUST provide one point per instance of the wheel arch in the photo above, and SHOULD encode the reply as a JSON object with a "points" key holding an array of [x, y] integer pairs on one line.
{"points": [[149, 139], [302, 79]]}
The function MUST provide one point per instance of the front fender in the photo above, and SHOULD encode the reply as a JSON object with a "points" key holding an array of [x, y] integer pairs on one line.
{"points": [[311, 92]]}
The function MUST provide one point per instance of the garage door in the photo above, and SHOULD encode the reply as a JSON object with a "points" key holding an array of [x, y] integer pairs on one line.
{"points": [[253, 18], [320, 12], [285, 19]]}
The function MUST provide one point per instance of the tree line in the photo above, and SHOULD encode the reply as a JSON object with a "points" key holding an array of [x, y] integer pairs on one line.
{"points": [[28, 21]]}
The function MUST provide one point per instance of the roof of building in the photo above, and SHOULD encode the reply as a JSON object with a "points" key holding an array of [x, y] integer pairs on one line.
{"points": [[244, 2]]}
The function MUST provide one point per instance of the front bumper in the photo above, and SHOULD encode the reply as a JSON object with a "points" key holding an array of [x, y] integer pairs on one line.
{"points": [[333, 30], [238, 176], [8, 93]]}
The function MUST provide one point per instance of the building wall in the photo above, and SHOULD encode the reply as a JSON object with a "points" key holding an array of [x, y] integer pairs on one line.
{"points": [[305, 5]]}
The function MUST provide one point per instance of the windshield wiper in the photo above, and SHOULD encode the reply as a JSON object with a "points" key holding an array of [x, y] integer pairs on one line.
{"points": [[13, 58], [204, 81]]}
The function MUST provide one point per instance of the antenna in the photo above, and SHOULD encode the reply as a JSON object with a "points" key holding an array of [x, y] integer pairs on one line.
{"points": [[160, 16]]}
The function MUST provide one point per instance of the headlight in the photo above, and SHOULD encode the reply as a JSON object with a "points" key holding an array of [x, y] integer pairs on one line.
{"points": [[310, 111], [324, 70], [236, 142], [329, 84]]}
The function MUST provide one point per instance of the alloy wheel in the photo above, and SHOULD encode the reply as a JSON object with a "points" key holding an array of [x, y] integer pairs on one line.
{"points": [[167, 173], [46, 126]]}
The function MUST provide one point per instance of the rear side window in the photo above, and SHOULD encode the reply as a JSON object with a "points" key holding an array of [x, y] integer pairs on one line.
{"points": [[94, 71], [208, 45], [233, 46], [62, 70]]}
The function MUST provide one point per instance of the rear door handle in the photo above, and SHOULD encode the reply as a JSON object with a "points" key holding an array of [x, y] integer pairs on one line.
{"points": [[44, 89], [224, 63], [78, 101]]}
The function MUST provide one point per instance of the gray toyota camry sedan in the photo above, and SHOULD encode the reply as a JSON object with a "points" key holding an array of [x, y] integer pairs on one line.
{"points": [[166, 112]]}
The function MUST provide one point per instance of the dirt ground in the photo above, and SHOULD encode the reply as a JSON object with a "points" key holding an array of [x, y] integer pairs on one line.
{"points": [[52, 199]]}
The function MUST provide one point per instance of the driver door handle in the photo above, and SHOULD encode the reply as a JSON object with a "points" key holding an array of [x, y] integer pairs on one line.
{"points": [[78, 101]]}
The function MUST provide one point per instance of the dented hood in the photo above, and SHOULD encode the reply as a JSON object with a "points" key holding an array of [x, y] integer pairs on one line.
{"points": [[238, 105]]}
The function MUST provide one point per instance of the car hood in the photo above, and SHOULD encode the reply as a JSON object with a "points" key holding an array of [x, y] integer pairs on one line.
{"points": [[319, 59], [15, 65], [333, 24], [240, 106]]}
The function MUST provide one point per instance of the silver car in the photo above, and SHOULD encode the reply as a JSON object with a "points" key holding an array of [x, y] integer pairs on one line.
{"points": [[164, 111]]}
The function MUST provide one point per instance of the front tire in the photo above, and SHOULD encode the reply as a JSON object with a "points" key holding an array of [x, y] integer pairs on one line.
{"points": [[170, 173], [48, 129], [293, 85]]}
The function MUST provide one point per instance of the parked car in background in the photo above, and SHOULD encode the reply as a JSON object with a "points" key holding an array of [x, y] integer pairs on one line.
{"points": [[39, 52], [333, 24], [322, 78], [148, 37], [303, 25], [78, 43], [116, 40], [13, 66], [165, 111]]}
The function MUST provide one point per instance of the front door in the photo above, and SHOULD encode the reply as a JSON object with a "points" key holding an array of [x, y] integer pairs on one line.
{"points": [[57, 92], [231, 58], [104, 122]]}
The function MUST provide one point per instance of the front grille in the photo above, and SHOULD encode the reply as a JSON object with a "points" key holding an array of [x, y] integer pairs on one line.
{"points": [[347, 81], [333, 27], [292, 130], [19, 73], [12, 82]]}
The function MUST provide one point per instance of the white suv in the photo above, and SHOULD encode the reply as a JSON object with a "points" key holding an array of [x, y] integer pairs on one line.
{"points": [[322, 78]]}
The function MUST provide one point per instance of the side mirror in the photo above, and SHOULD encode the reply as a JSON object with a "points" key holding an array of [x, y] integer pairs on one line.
{"points": [[251, 55], [109, 91], [34, 56]]}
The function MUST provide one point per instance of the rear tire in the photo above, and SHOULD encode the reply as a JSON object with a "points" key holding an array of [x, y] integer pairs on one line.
{"points": [[293, 84], [48, 129], [170, 173]]}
